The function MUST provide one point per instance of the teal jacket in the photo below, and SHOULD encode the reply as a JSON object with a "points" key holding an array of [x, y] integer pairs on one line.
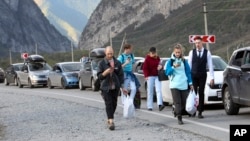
{"points": [[180, 77], [123, 57]]}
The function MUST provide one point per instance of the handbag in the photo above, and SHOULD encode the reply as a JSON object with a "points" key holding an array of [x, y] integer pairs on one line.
{"points": [[162, 75]]}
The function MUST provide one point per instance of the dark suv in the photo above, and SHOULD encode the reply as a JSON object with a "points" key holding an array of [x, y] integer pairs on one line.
{"points": [[236, 82]]}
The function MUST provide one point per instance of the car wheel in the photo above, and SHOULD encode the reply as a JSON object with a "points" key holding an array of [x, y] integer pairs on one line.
{"points": [[231, 108], [19, 83], [81, 87], [6, 82], [63, 83], [30, 84], [49, 84], [15, 82], [93, 85]]}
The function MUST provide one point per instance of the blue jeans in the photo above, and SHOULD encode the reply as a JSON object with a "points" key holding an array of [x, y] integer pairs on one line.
{"points": [[130, 84], [153, 82]]}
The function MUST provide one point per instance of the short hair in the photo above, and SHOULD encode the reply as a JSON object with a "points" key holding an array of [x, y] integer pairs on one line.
{"points": [[152, 49], [198, 38], [127, 46]]}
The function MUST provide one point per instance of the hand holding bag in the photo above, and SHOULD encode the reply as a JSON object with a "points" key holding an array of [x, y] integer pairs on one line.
{"points": [[128, 108], [161, 75], [191, 102]]}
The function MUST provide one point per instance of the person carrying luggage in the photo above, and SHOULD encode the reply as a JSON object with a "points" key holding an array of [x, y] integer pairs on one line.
{"points": [[179, 74]]}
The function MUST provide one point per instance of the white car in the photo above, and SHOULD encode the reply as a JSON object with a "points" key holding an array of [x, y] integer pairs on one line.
{"points": [[138, 66], [212, 95]]}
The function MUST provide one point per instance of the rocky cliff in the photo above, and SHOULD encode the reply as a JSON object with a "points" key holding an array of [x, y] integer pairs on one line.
{"points": [[23, 27], [112, 16]]}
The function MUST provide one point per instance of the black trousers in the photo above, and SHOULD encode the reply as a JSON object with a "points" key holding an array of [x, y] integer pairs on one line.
{"points": [[199, 82], [179, 100], [110, 98]]}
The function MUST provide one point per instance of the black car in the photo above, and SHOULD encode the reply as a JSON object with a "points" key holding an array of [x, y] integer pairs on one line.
{"points": [[236, 82], [11, 75]]}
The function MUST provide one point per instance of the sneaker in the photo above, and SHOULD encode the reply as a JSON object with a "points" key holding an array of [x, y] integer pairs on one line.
{"points": [[180, 122], [150, 109], [161, 107], [200, 115], [111, 125]]}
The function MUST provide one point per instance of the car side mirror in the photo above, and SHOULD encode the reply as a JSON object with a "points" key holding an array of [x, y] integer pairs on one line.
{"points": [[245, 67]]}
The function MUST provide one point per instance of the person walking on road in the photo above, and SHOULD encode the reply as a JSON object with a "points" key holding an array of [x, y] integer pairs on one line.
{"points": [[180, 78], [110, 73], [130, 81], [198, 59], [150, 70]]}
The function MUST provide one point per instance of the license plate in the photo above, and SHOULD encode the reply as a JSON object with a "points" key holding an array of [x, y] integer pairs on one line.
{"points": [[219, 94]]}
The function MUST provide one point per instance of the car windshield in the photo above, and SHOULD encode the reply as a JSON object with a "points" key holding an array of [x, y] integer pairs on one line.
{"points": [[39, 66], [219, 64], [18, 67], [71, 67]]}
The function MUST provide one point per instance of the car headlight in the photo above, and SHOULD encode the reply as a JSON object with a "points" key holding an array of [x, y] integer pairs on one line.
{"points": [[33, 76]]}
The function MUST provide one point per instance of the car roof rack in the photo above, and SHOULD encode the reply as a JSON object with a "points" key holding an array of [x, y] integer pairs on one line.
{"points": [[35, 59], [97, 53]]}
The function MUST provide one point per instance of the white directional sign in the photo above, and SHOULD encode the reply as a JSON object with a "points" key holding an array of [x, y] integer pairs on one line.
{"points": [[205, 38]]}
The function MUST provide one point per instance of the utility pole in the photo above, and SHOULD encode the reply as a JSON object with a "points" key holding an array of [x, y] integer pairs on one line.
{"points": [[36, 48], [10, 56], [205, 21], [72, 51], [110, 37], [123, 40]]}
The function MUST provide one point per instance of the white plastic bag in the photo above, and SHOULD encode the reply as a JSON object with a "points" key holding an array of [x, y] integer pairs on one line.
{"points": [[123, 96], [128, 108], [192, 102]]}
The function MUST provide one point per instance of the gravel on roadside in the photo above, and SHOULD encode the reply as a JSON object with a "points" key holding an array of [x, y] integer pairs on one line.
{"points": [[35, 118]]}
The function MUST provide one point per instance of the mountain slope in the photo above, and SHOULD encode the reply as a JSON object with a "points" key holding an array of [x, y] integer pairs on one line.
{"points": [[23, 26], [227, 20], [115, 16], [69, 17]]}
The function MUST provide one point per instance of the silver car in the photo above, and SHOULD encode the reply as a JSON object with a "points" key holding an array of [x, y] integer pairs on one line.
{"points": [[88, 75], [33, 74], [64, 74]]}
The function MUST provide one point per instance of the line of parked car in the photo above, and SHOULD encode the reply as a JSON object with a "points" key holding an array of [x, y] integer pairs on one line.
{"points": [[231, 80]]}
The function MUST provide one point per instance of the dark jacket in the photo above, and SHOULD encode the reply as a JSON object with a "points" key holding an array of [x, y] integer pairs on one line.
{"points": [[199, 65], [117, 77], [150, 66]]}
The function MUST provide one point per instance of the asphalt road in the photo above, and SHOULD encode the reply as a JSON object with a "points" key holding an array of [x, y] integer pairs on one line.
{"points": [[215, 125]]}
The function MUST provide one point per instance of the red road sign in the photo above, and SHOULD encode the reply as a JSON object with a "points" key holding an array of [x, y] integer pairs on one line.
{"points": [[205, 38], [25, 55]]}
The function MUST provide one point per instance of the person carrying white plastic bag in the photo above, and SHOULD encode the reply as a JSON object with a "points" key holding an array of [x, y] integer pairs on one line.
{"points": [[192, 102], [128, 107]]}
